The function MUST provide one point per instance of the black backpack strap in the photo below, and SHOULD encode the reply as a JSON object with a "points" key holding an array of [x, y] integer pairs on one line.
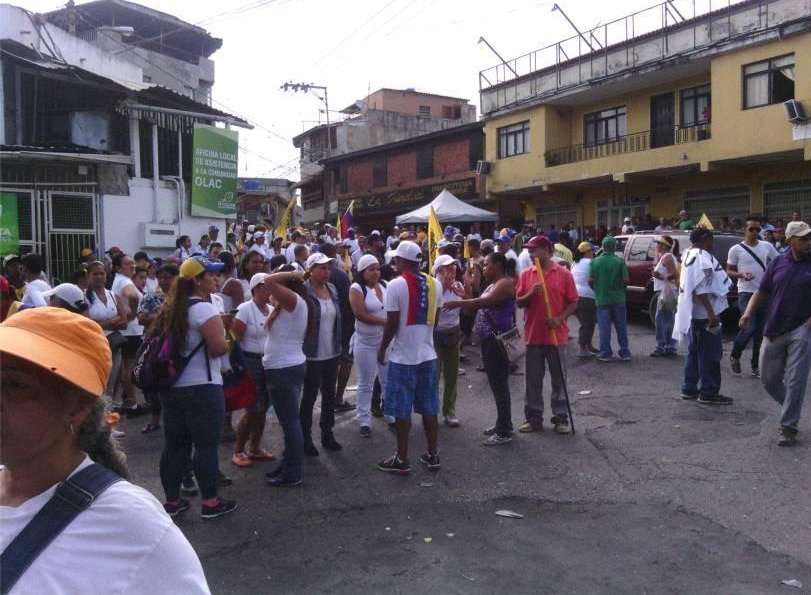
{"points": [[71, 497], [753, 255]]}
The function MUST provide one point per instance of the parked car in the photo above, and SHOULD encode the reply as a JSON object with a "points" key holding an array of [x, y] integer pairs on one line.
{"points": [[639, 252]]}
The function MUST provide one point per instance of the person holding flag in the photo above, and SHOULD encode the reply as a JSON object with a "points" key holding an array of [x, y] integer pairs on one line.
{"points": [[545, 332]]}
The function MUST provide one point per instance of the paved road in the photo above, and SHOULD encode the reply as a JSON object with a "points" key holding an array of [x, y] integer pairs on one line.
{"points": [[653, 495]]}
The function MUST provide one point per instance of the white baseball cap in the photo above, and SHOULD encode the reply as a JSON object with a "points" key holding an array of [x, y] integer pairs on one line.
{"points": [[366, 260], [69, 293], [409, 251], [317, 258], [258, 234], [797, 229], [257, 279], [443, 260]]}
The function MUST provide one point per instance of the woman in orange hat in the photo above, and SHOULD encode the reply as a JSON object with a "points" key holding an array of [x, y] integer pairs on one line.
{"points": [[55, 539]]}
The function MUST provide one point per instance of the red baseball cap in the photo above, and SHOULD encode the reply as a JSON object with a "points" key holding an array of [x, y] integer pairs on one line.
{"points": [[539, 241]]}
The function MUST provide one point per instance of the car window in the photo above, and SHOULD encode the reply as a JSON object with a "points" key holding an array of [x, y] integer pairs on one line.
{"points": [[639, 249], [621, 242], [651, 249]]}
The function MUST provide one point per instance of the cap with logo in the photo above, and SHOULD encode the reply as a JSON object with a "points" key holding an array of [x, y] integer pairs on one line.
{"points": [[316, 259], [197, 265], [798, 229]]}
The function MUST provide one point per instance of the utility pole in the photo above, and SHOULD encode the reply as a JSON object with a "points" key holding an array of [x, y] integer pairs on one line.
{"points": [[305, 87]]}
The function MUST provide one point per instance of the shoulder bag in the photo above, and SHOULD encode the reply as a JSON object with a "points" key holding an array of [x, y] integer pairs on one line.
{"points": [[510, 342]]}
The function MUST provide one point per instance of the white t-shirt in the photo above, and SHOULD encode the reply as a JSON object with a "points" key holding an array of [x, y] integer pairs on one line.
{"points": [[196, 371], [524, 261], [370, 334], [99, 311], [33, 293], [511, 255], [290, 252], [284, 343], [739, 257], [413, 344], [448, 319], [120, 282], [326, 332], [151, 285], [253, 340], [124, 543], [580, 272]]}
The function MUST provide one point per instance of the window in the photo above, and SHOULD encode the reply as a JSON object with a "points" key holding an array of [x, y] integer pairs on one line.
{"points": [[768, 82], [425, 162], [380, 175], [513, 140], [604, 126], [642, 249], [424, 110], [695, 106], [452, 112]]}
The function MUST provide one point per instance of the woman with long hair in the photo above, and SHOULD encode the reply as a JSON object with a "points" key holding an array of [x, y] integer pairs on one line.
{"points": [[322, 347], [367, 298], [249, 330], [285, 366], [252, 263], [194, 407], [55, 445], [495, 313]]}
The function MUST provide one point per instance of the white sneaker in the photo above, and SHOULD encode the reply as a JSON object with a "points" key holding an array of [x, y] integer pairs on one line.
{"points": [[496, 440], [115, 433]]}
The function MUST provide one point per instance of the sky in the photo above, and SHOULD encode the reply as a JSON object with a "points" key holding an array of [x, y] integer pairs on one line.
{"points": [[354, 47]]}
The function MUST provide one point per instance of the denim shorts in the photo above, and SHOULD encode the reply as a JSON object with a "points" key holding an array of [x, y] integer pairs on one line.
{"points": [[412, 387]]}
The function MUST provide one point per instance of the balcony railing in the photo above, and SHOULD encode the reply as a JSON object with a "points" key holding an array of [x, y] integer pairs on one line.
{"points": [[631, 143]]}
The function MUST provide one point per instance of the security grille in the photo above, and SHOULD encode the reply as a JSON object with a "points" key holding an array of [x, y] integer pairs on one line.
{"points": [[71, 212], [717, 203], [781, 199], [557, 216]]}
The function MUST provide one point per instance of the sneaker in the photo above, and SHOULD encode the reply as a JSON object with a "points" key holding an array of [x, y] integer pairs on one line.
{"points": [[625, 358], [461, 372], [489, 431], [240, 459], [188, 487], [262, 455], [584, 353], [329, 442], [562, 426], [116, 433], [309, 448], [735, 364], [345, 406], [222, 507], [715, 400], [281, 481], [430, 461], [657, 354], [365, 432], [530, 426], [277, 472], [451, 421], [175, 508], [496, 439], [394, 465], [223, 479], [600, 358], [786, 437], [685, 396], [755, 373]]}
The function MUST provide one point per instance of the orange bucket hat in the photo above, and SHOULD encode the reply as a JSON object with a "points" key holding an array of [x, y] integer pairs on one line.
{"points": [[69, 345]]}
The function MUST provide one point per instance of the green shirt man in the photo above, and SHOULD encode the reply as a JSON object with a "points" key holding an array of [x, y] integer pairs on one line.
{"points": [[608, 275], [684, 221]]}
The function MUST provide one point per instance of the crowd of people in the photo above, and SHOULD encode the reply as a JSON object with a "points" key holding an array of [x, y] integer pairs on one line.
{"points": [[304, 309]]}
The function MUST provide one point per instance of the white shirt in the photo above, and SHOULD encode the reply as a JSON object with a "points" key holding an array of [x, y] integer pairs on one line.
{"points": [[253, 340], [661, 268], [262, 249], [33, 293], [413, 344], [121, 282], [389, 241], [290, 252], [99, 311], [739, 257], [448, 319], [285, 340], [580, 272], [524, 261], [124, 543], [151, 285], [511, 255], [370, 334], [196, 371], [326, 330]]}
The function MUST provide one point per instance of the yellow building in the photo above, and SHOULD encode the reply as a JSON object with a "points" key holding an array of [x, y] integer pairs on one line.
{"points": [[631, 119]]}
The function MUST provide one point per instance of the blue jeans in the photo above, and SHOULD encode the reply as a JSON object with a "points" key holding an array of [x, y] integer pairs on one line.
{"points": [[702, 369], [192, 416], [754, 330], [616, 313], [785, 363], [665, 319], [284, 385]]}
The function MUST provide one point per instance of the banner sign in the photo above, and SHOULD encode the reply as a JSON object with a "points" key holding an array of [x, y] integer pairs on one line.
{"points": [[9, 224], [214, 172]]}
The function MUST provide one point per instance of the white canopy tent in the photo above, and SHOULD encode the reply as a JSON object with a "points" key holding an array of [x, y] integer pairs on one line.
{"points": [[448, 209]]}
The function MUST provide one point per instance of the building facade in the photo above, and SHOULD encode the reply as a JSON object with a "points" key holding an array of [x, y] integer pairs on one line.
{"points": [[688, 114], [391, 179], [385, 116], [265, 200]]}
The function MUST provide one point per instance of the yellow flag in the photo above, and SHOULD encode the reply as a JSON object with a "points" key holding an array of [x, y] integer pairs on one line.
{"points": [[281, 229], [466, 250], [434, 235], [705, 222]]}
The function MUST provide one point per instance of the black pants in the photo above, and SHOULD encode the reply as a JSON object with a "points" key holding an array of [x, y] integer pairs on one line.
{"points": [[320, 375], [497, 369]]}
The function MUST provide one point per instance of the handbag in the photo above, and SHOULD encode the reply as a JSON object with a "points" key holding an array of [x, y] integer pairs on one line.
{"points": [[510, 342]]}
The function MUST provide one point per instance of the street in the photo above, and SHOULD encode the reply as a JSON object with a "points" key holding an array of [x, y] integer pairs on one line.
{"points": [[652, 495]]}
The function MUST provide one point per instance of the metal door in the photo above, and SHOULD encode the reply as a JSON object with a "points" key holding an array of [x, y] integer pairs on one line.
{"points": [[72, 224], [662, 120]]}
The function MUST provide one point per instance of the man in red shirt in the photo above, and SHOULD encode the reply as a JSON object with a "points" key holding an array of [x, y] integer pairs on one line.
{"points": [[545, 336]]}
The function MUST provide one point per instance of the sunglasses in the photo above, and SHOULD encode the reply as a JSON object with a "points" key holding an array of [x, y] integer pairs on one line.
{"points": [[757, 229]]}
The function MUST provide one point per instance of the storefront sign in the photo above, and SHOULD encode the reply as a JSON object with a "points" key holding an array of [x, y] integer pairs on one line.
{"points": [[409, 198], [9, 224], [214, 172]]}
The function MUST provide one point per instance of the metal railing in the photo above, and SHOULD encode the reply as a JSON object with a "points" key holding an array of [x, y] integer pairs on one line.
{"points": [[631, 143]]}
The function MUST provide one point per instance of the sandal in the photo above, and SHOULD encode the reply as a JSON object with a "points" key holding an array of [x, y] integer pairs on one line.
{"points": [[262, 455], [150, 427]]}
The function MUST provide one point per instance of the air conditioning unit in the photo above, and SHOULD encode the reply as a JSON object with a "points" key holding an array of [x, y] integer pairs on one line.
{"points": [[483, 167], [159, 235], [795, 111]]}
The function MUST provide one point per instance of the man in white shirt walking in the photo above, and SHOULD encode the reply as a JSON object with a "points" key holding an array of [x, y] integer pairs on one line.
{"points": [[746, 263]]}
